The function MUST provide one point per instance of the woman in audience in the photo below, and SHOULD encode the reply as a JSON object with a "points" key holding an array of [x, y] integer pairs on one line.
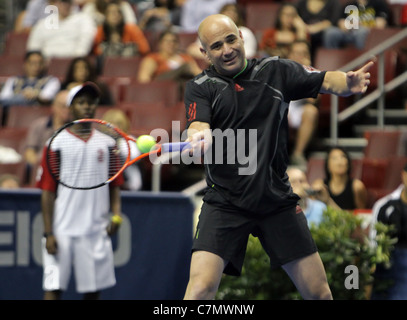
{"points": [[96, 9], [81, 70], [289, 28], [115, 37], [168, 62], [339, 189]]}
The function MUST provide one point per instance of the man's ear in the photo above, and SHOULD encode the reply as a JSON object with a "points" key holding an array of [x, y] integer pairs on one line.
{"points": [[204, 53]]}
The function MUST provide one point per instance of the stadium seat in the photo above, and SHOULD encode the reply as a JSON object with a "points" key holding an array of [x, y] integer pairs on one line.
{"points": [[374, 172], [23, 116], [167, 92], [381, 144], [13, 138], [378, 36], [18, 169], [261, 15], [121, 66], [186, 38], [15, 44], [58, 67], [11, 66], [147, 116]]}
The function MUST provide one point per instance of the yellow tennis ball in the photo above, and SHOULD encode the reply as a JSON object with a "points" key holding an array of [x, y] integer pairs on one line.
{"points": [[145, 143]]}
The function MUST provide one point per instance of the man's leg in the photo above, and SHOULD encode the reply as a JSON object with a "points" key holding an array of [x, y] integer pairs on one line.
{"points": [[205, 275], [308, 275], [309, 123]]}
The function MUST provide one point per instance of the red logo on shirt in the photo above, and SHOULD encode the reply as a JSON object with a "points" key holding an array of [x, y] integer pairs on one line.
{"points": [[100, 155], [192, 111], [238, 88]]}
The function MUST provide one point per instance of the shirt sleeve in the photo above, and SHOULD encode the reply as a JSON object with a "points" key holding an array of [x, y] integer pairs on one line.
{"points": [[300, 81], [197, 104], [50, 89], [45, 181]]}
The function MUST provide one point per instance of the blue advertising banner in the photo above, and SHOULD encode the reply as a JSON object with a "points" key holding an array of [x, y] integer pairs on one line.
{"points": [[152, 248]]}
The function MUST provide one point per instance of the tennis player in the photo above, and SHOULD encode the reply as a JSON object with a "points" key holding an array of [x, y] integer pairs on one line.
{"points": [[239, 95], [76, 222]]}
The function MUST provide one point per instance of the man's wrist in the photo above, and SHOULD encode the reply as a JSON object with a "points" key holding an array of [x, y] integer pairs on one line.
{"points": [[47, 234]]}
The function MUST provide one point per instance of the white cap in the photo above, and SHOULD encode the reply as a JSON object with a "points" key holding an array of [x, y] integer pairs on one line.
{"points": [[85, 87]]}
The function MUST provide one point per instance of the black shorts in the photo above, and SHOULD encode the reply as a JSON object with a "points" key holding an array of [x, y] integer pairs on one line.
{"points": [[285, 236]]}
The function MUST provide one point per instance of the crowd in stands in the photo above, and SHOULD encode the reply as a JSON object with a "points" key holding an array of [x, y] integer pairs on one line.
{"points": [[126, 46], [72, 41]]}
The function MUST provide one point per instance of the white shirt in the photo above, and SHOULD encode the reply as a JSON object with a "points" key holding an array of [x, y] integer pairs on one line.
{"points": [[47, 93], [194, 11], [70, 37], [81, 212]]}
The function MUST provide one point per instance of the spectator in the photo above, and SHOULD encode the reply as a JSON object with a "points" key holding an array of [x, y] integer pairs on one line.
{"points": [[288, 28], [132, 175], [319, 16], [9, 181], [117, 38], [392, 210], [162, 15], [194, 11], [368, 14], [70, 34], [82, 70], [339, 189], [42, 129], [35, 10], [312, 208], [34, 86], [168, 62], [96, 9], [302, 114], [234, 12]]}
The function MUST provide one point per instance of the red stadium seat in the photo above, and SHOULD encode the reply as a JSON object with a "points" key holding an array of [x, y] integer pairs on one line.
{"points": [[23, 116], [121, 66], [15, 44], [58, 67], [381, 144], [186, 38], [147, 116], [261, 15], [11, 66], [167, 92], [13, 138], [18, 169]]}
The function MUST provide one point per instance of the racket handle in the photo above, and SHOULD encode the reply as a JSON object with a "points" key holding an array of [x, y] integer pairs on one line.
{"points": [[174, 146]]}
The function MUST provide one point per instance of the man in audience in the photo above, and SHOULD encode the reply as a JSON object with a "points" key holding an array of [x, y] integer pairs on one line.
{"points": [[312, 208], [359, 17], [32, 87], [64, 33]]}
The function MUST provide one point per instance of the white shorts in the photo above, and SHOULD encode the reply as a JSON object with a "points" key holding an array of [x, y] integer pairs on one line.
{"points": [[91, 257]]}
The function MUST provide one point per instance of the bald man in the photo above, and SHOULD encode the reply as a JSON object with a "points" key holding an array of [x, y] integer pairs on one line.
{"points": [[237, 117]]}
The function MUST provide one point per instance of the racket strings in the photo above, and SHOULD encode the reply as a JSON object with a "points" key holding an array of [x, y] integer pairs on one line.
{"points": [[84, 157]]}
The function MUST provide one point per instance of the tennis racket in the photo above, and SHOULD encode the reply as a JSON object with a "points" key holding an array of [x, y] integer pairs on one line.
{"points": [[90, 153]]}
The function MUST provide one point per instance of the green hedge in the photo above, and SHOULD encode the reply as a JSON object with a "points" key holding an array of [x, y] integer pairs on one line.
{"points": [[341, 241]]}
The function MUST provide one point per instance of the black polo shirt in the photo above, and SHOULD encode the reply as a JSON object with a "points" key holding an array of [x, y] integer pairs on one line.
{"points": [[246, 166]]}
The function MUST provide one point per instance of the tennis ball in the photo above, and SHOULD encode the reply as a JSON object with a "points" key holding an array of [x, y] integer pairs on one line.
{"points": [[145, 143]]}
